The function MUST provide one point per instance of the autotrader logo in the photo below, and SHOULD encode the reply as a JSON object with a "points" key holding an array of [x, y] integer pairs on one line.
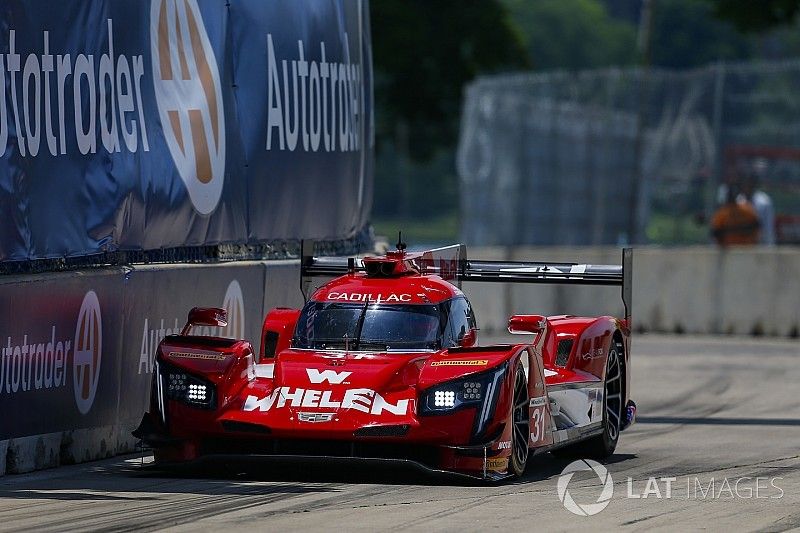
{"points": [[88, 352], [189, 97], [586, 509]]}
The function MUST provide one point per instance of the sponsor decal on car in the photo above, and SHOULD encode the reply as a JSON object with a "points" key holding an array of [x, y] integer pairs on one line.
{"points": [[315, 417], [461, 362], [503, 445], [536, 402], [592, 348], [331, 376], [374, 298], [361, 399], [203, 356], [497, 463], [592, 354]]}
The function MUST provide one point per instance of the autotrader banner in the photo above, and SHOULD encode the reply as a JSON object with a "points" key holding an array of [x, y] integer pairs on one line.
{"points": [[129, 125], [59, 346]]}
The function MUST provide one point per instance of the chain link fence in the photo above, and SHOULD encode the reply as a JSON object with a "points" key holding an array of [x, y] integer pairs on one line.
{"points": [[623, 155]]}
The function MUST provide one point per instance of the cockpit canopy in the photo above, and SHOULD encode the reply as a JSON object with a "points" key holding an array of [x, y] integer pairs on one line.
{"points": [[383, 327]]}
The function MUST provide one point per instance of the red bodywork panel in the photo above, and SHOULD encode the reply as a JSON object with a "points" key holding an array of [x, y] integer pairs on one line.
{"points": [[410, 288], [280, 322]]}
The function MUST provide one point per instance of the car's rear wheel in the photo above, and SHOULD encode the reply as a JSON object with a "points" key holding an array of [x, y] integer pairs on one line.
{"points": [[520, 418], [603, 445]]}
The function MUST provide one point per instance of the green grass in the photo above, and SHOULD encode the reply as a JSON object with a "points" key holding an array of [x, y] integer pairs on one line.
{"points": [[670, 229], [442, 229]]}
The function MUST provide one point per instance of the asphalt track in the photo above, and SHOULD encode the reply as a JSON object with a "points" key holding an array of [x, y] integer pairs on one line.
{"points": [[721, 409]]}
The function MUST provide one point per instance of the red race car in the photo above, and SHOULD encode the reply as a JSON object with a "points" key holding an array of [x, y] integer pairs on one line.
{"points": [[382, 364]]}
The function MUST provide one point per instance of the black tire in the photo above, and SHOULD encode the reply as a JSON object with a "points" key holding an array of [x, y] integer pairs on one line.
{"points": [[521, 421], [603, 445]]}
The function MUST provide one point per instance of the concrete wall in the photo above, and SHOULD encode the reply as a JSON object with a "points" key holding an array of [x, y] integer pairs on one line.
{"points": [[47, 422], [675, 290]]}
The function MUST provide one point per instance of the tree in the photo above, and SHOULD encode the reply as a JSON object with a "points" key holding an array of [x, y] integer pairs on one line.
{"points": [[757, 16], [424, 53], [687, 34], [572, 34]]}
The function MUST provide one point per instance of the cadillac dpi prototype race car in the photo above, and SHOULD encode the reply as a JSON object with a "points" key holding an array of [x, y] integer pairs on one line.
{"points": [[382, 363]]}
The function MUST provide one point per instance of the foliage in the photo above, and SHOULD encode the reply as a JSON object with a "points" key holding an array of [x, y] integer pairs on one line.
{"points": [[757, 16], [572, 34], [686, 34], [424, 52]]}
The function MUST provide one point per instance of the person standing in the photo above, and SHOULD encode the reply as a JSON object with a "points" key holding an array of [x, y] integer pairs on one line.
{"points": [[762, 203], [735, 223]]}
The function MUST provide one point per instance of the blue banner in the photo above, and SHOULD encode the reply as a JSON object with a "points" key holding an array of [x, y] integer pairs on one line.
{"points": [[129, 125]]}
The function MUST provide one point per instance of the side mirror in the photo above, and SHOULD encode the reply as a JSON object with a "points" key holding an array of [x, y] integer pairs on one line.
{"points": [[206, 316], [469, 339], [526, 324], [277, 331]]}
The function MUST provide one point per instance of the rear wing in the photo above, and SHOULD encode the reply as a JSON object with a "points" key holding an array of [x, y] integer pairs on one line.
{"points": [[555, 273], [451, 263]]}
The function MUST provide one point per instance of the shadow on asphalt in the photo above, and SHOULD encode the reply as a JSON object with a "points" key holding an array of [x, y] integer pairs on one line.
{"points": [[546, 466], [539, 468], [125, 482], [128, 481]]}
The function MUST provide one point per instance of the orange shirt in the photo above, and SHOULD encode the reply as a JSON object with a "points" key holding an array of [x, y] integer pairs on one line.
{"points": [[735, 224]]}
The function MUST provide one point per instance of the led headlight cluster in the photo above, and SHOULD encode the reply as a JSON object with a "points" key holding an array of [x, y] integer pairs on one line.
{"points": [[479, 391], [176, 386], [443, 398], [186, 388], [472, 390], [197, 393], [466, 392]]}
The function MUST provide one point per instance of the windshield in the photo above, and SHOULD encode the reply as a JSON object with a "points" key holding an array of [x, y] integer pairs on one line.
{"points": [[368, 327]]}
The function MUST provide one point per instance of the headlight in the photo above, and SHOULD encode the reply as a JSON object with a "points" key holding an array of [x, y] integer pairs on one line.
{"points": [[187, 388], [466, 392], [444, 398]]}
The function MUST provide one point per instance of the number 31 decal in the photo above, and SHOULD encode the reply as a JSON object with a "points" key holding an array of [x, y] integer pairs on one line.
{"points": [[537, 419]]}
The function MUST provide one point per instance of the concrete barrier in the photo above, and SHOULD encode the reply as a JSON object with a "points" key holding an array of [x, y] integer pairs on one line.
{"points": [[77, 348], [707, 290]]}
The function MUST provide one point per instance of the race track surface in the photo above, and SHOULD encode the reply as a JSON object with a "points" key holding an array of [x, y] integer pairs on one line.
{"points": [[712, 411]]}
